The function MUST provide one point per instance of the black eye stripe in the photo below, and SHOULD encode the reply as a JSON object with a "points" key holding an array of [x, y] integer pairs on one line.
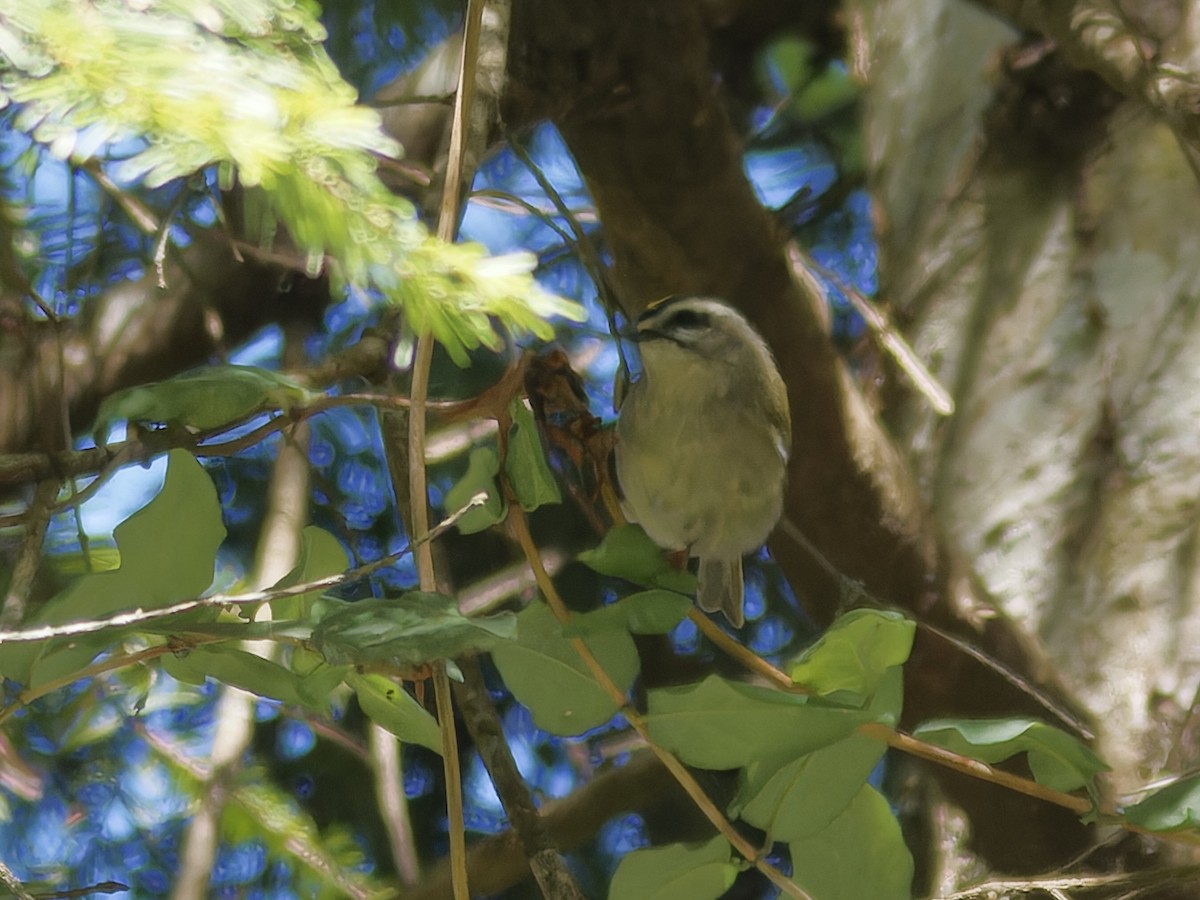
{"points": [[684, 320]]}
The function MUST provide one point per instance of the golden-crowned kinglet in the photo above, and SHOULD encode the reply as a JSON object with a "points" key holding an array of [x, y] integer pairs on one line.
{"points": [[703, 439]]}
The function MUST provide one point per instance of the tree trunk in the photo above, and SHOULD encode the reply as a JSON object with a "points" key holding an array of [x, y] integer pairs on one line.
{"points": [[1041, 241]]}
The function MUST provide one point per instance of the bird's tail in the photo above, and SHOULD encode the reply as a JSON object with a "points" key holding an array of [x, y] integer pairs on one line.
{"points": [[721, 588]]}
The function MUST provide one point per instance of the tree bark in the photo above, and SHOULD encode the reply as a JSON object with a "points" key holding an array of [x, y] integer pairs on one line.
{"points": [[1039, 238]]}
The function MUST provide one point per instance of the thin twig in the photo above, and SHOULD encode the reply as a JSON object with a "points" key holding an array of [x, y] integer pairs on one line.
{"points": [[588, 253], [885, 332], [414, 100], [743, 654], [1074, 883], [915, 747], [140, 214], [973, 767], [448, 211], [456, 819], [109, 459], [141, 616], [906, 743], [162, 239], [1016, 679], [102, 887], [504, 201], [108, 664], [13, 883]]}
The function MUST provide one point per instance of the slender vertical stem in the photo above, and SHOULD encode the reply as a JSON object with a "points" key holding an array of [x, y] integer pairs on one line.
{"points": [[455, 168], [454, 796], [418, 491], [447, 227]]}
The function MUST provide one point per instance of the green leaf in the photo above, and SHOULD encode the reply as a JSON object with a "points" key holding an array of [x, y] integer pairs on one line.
{"points": [[1172, 808], [526, 466], [392, 708], [854, 653], [234, 666], [626, 552], [719, 724], [786, 65], [648, 612], [797, 799], [315, 687], [202, 400], [1056, 759], [546, 674], [480, 477], [416, 628], [86, 721], [887, 702], [859, 854], [676, 872], [321, 555], [168, 550], [833, 90]]}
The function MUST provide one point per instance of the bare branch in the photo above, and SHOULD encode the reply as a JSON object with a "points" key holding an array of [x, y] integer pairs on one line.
{"points": [[884, 330], [20, 468], [13, 883], [1097, 36], [546, 863], [29, 555], [1184, 875]]}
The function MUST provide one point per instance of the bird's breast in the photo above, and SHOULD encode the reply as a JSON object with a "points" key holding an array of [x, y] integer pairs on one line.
{"points": [[706, 477]]}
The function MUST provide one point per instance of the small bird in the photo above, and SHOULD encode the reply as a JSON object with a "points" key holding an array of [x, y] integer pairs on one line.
{"points": [[703, 439]]}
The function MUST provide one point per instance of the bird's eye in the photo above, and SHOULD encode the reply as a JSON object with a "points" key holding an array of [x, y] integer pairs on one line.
{"points": [[687, 320]]}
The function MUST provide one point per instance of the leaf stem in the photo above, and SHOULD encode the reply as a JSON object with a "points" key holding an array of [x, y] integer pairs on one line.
{"points": [[743, 654]]}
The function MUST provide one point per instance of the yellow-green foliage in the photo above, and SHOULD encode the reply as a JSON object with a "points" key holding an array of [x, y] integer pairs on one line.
{"points": [[247, 86]]}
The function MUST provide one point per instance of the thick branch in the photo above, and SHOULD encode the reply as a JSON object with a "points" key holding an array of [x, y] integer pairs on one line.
{"points": [[137, 333], [1139, 58]]}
